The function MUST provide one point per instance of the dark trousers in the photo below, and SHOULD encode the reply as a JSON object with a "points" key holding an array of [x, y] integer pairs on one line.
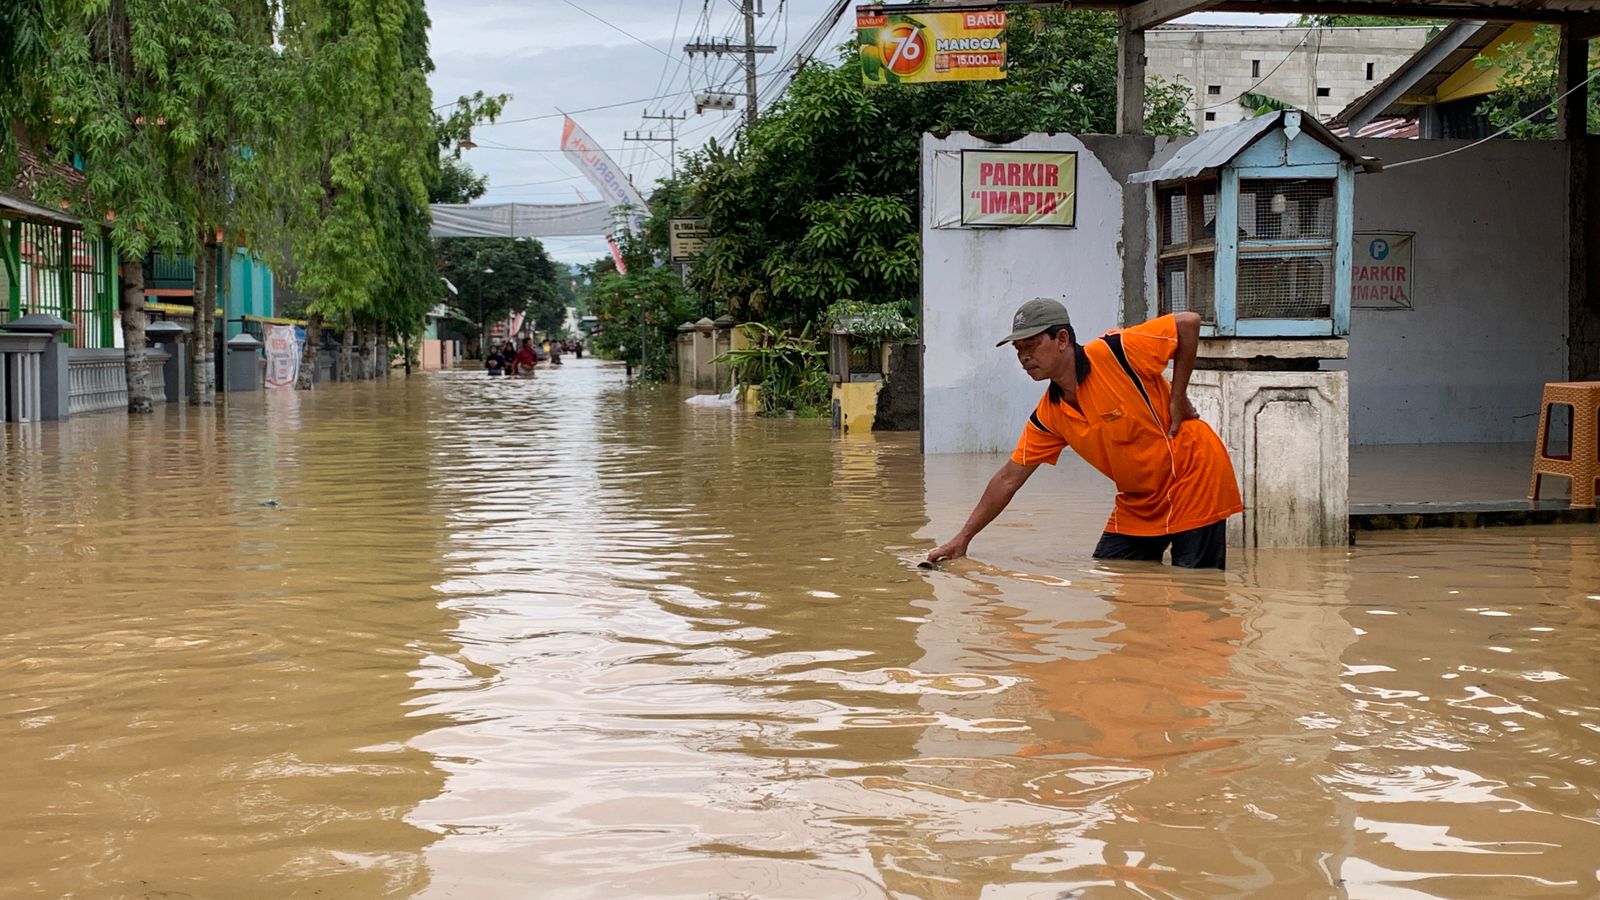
{"points": [[1205, 547]]}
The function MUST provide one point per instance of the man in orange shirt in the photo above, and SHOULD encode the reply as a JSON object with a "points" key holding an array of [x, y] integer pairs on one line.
{"points": [[1109, 401]]}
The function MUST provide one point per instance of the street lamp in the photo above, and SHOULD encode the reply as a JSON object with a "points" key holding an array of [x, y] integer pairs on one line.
{"points": [[483, 325]]}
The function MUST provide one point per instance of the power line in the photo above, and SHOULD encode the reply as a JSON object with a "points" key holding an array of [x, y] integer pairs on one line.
{"points": [[671, 42], [557, 115], [618, 28], [1251, 88], [483, 146], [1527, 118]]}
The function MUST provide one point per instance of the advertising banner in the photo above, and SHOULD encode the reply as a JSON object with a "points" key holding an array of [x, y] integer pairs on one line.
{"points": [[1384, 263], [283, 356], [909, 47], [687, 238], [602, 171], [1011, 188]]}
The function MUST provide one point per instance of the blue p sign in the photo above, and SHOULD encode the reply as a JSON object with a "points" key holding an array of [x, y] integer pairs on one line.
{"points": [[1378, 249]]}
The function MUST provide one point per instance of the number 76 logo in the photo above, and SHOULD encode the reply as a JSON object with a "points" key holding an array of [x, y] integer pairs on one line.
{"points": [[903, 48]]}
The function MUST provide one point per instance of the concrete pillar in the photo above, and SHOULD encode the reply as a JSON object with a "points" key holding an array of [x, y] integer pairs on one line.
{"points": [[54, 386], [685, 346], [722, 374], [704, 351], [168, 338], [1130, 78], [243, 351], [1286, 425]]}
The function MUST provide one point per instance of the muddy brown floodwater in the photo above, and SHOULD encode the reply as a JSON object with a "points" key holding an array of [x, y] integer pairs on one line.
{"points": [[464, 638]]}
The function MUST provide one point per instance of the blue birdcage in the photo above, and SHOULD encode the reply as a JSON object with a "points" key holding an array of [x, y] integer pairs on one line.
{"points": [[1253, 228]]}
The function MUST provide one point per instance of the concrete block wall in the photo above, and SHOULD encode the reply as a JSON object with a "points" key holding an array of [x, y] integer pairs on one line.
{"points": [[1294, 63], [1489, 322]]}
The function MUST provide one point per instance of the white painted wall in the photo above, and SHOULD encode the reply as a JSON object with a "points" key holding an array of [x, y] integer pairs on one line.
{"points": [[1489, 326], [975, 396]]}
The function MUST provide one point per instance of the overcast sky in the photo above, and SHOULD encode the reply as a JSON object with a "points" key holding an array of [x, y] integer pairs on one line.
{"points": [[624, 54]]}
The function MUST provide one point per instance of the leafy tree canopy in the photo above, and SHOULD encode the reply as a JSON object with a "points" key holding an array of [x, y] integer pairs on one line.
{"points": [[817, 201], [521, 278]]}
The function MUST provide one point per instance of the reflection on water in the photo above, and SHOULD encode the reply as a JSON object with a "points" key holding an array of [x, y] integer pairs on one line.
{"points": [[563, 638]]}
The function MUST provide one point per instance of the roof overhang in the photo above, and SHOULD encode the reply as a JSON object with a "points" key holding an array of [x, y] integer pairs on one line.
{"points": [[1415, 83], [1583, 15], [12, 207]]}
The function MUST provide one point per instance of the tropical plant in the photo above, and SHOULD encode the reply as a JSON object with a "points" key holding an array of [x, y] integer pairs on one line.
{"points": [[1261, 104], [789, 369], [871, 322]]}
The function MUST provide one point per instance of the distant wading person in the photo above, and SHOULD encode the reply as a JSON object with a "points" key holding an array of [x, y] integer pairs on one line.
{"points": [[1109, 401]]}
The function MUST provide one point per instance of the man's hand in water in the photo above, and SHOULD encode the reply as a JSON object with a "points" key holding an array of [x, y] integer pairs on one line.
{"points": [[951, 550]]}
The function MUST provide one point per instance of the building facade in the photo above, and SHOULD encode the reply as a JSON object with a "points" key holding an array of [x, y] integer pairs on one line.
{"points": [[1319, 70]]}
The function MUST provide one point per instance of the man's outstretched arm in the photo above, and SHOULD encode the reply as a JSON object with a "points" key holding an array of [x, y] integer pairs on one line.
{"points": [[1002, 487]]}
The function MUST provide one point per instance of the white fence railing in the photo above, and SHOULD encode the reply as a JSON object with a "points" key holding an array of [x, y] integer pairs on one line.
{"points": [[96, 380]]}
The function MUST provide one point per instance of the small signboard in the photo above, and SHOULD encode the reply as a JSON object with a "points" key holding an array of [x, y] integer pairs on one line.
{"points": [[1385, 274], [903, 45], [687, 238], [1012, 188], [283, 356]]}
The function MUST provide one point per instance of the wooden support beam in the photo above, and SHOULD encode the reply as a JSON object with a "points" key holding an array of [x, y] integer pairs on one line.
{"points": [[1147, 14], [1572, 71], [1130, 78], [1585, 27], [1572, 123]]}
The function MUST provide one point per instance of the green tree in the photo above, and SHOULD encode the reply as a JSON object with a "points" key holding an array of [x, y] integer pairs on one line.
{"points": [[365, 137], [501, 277], [1529, 84], [235, 110], [456, 183], [22, 48], [818, 201], [118, 95], [639, 316]]}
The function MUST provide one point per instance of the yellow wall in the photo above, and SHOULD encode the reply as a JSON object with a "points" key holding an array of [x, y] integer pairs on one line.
{"points": [[858, 404]]}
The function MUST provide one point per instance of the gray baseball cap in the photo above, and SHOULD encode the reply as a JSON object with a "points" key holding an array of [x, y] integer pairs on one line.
{"points": [[1034, 317]]}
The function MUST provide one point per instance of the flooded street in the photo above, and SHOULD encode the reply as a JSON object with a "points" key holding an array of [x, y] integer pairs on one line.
{"points": [[470, 638]]}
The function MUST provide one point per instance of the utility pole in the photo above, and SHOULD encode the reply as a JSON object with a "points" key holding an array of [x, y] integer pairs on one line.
{"points": [[749, 63], [748, 49], [651, 137]]}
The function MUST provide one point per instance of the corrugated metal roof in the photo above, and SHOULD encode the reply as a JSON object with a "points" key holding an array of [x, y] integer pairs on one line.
{"points": [[1213, 148], [1219, 146]]}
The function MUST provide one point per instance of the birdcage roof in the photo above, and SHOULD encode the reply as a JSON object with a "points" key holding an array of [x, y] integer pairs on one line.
{"points": [[1220, 146]]}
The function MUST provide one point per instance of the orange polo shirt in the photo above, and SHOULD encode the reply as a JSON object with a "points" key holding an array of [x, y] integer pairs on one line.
{"points": [[1164, 485]]}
